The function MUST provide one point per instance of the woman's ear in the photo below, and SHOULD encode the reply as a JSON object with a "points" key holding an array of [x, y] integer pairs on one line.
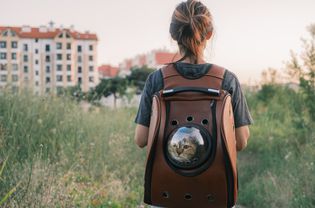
{"points": [[209, 34]]}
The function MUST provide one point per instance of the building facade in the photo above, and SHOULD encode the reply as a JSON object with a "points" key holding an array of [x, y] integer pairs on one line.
{"points": [[153, 59], [47, 59], [107, 71]]}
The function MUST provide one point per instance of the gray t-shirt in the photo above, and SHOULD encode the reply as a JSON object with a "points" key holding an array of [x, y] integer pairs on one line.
{"points": [[154, 83]]}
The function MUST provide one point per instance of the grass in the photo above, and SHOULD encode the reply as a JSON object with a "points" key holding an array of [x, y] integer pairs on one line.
{"points": [[62, 156]]}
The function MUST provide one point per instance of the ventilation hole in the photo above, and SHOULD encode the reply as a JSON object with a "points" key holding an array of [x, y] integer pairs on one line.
{"points": [[210, 198], [166, 195], [204, 121], [174, 122], [190, 118], [188, 196]]}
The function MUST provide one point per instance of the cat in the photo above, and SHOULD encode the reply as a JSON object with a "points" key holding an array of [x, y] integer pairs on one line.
{"points": [[184, 151]]}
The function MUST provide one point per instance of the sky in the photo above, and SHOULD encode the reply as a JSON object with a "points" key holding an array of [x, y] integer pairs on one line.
{"points": [[250, 35]]}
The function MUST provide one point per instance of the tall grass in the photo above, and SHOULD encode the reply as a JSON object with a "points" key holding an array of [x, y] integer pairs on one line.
{"points": [[62, 156], [65, 157], [277, 169]]}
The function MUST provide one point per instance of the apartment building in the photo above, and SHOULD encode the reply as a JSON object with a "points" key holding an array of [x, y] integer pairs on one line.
{"points": [[153, 59], [107, 71], [46, 59]]}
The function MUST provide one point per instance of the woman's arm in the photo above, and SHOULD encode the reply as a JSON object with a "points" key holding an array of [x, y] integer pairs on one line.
{"points": [[242, 135], [141, 135]]}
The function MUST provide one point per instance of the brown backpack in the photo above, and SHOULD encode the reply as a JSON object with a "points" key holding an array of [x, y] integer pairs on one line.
{"points": [[191, 151]]}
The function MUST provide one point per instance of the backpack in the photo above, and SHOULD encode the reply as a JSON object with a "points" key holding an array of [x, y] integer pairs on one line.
{"points": [[191, 149]]}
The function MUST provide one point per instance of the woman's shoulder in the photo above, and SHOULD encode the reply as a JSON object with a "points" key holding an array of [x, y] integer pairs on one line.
{"points": [[155, 80], [230, 80]]}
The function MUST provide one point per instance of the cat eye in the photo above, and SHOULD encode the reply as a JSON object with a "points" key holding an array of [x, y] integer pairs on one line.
{"points": [[186, 146]]}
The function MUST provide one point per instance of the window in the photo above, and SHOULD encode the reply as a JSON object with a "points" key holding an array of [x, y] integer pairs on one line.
{"points": [[5, 34], [13, 34], [68, 57], [47, 79], [79, 69], [59, 78], [68, 46], [68, 67], [79, 48], [67, 35], [47, 48], [69, 78], [91, 68], [47, 69], [36, 83], [36, 51], [3, 78], [47, 89], [13, 56], [59, 67], [59, 90], [36, 62], [14, 44], [58, 46], [91, 47], [61, 35], [15, 89], [59, 56], [25, 69], [3, 44], [3, 56], [25, 58], [47, 58], [25, 47], [15, 67], [3, 67], [15, 78], [91, 79], [36, 72], [36, 40], [79, 59], [90, 58], [79, 80]]}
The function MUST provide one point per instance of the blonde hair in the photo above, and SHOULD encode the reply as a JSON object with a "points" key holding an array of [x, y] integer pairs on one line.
{"points": [[191, 22]]}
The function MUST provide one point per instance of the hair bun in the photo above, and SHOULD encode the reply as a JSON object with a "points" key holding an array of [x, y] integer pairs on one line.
{"points": [[191, 21]]}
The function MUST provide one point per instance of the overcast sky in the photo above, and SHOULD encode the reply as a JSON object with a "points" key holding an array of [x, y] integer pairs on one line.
{"points": [[250, 35]]}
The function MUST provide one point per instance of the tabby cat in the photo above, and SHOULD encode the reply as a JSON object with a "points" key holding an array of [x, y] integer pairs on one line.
{"points": [[184, 150]]}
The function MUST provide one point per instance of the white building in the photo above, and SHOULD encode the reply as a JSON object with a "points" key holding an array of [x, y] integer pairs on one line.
{"points": [[47, 59]]}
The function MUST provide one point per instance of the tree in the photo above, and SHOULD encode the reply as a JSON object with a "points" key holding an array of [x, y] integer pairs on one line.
{"points": [[114, 86], [138, 77], [305, 72], [75, 92]]}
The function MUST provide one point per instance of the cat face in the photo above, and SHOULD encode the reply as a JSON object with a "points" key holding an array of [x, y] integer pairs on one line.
{"points": [[184, 150]]}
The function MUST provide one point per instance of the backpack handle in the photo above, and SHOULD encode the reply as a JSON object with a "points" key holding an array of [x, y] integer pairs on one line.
{"points": [[175, 90]]}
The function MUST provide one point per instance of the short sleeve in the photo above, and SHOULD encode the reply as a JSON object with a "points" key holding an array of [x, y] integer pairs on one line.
{"points": [[153, 84], [242, 116]]}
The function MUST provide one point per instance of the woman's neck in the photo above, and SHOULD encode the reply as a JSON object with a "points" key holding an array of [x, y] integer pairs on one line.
{"points": [[192, 61]]}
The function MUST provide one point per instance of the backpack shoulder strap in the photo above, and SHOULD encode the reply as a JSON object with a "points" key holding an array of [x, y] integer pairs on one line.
{"points": [[213, 78]]}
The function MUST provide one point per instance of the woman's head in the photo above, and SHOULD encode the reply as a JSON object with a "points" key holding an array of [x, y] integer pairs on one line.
{"points": [[191, 26]]}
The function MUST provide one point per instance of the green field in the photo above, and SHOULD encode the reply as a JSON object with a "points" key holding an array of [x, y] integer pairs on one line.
{"points": [[54, 154]]}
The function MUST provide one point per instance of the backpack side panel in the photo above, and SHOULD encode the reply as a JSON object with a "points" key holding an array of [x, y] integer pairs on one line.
{"points": [[228, 135]]}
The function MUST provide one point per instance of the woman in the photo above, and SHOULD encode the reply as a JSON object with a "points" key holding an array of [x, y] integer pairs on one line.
{"points": [[192, 27]]}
